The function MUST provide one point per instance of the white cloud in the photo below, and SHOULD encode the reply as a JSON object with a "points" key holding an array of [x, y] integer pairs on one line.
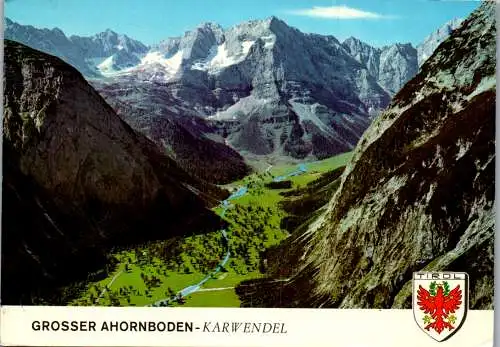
{"points": [[337, 12]]}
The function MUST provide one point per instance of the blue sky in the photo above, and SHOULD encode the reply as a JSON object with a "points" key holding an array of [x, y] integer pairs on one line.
{"points": [[377, 22]]}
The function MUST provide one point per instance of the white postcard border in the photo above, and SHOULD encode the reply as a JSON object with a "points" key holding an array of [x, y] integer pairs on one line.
{"points": [[292, 327]]}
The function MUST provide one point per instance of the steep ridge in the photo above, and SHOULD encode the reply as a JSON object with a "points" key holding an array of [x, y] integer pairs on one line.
{"points": [[92, 56], [431, 42], [418, 193], [392, 66], [78, 180]]}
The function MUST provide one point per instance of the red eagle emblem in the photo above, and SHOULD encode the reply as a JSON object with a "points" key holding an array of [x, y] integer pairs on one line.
{"points": [[439, 304]]}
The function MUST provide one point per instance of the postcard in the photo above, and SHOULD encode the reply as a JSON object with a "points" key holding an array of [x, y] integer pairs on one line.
{"points": [[248, 173]]}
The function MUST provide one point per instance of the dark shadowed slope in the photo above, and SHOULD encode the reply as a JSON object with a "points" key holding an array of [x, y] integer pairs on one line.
{"points": [[78, 180], [185, 137]]}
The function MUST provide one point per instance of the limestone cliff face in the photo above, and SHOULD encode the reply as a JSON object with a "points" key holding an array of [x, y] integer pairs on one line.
{"points": [[418, 193], [78, 179], [392, 66]]}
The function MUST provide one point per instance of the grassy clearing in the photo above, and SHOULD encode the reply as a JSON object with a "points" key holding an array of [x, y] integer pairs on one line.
{"points": [[220, 298], [230, 279], [158, 270], [137, 282], [331, 163]]}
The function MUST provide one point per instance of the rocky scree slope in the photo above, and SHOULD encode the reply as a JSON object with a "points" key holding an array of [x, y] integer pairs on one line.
{"points": [[417, 195], [78, 180]]}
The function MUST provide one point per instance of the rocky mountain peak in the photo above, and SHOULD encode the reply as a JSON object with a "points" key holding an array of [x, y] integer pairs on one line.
{"points": [[352, 41], [196, 44], [274, 22], [392, 65], [267, 22], [210, 26], [107, 33], [433, 40], [403, 47], [365, 54], [58, 32], [451, 25], [398, 64]]}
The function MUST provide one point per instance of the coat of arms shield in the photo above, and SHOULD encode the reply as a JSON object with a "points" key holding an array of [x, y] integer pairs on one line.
{"points": [[440, 302]]}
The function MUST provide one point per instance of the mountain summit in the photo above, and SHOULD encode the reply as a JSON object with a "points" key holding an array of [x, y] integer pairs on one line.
{"points": [[83, 53], [392, 66]]}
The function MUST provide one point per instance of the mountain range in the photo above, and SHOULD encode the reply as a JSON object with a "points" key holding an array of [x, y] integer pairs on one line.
{"points": [[257, 88], [190, 142]]}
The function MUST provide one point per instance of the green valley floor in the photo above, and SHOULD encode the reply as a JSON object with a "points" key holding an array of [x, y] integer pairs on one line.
{"points": [[158, 270]]}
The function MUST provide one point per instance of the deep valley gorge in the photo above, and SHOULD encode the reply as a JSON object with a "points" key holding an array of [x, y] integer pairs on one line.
{"points": [[254, 165]]}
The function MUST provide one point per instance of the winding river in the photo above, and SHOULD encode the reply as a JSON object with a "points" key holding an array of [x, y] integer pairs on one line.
{"points": [[225, 205]]}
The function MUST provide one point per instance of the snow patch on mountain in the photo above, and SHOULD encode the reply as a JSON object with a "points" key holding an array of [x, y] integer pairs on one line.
{"points": [[106, 67], [246, 105], [171, 64], [220, 57]]}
